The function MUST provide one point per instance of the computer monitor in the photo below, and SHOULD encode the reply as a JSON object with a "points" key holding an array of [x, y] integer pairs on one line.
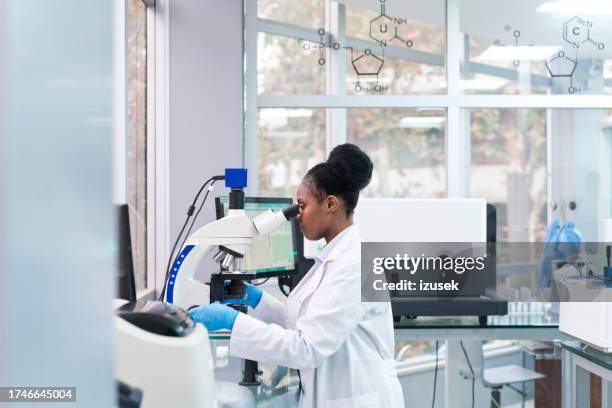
{"points": [[435, 220], [126, 288], [422, 220], [273, 254]]}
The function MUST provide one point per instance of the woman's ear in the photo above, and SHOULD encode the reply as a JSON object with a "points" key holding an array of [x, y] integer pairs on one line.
{"points": [[332, 203]]}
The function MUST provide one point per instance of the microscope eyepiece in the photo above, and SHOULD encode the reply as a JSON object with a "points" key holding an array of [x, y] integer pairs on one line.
{"points": [[291, 212], [269, 220]]}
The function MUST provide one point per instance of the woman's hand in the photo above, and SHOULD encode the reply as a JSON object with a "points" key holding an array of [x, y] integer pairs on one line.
{"points": [[215, 316], [253, 296]]}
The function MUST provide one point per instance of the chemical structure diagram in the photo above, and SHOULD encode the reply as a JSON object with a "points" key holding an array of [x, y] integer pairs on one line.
{"points": [[562, 66], [577, 33], [367, 64], [321, 45], [379, 28], [384, 30], [516, 34]]}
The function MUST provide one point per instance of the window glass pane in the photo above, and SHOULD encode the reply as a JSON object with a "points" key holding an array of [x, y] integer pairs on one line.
{"points": [[289, 142], [397, 22], [306, 13], [527, 47], [580, 168], [404, 54], [509, 169], [288, 67], [397, 46], [407, 147], [137, 135]]}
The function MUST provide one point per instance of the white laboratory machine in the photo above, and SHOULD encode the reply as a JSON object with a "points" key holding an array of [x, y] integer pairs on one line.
{"points": [[464, 221], [590, 322], [161, 352]]}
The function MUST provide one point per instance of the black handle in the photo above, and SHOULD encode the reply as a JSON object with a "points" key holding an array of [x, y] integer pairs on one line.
{"points": [[128, 397]]}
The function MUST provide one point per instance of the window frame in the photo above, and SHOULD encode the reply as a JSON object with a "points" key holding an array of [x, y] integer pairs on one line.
{"points": [[149, 291], [158, 217], [156, 113], [457, 105]]}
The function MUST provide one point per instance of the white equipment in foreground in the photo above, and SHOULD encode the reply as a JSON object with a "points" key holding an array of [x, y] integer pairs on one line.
{"points": [[160, 351], [590, 322]]}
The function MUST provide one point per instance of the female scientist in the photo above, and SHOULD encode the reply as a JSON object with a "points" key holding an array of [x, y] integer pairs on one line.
{"points": [[342, 347]]}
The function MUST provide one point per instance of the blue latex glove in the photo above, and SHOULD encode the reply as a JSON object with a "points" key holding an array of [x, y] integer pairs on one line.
{"points": [[253, 296], [550, 252], [215, 316], [551, 239], [570, 239]]}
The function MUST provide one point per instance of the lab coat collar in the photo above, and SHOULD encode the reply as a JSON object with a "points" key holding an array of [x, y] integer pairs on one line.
{"points": [[349, 235], [327, 249], [352, 235]]}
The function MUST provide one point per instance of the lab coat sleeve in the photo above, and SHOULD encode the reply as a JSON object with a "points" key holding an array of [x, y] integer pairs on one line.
{"points": [[270, 310], [334, 311]]}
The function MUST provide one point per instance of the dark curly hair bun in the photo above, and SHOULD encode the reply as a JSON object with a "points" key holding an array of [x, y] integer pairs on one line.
{"points": [[347, 171], [351, 165]]}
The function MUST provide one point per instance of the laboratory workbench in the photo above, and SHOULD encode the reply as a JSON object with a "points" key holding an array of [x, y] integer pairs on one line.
{"points": [[541, 325]]}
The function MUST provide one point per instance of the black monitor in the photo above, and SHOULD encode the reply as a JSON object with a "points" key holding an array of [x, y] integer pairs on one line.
{"points": [[126, 287], [269, 255]]}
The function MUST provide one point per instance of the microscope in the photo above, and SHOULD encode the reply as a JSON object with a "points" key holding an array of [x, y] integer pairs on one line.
{"points": [[230, 236]]}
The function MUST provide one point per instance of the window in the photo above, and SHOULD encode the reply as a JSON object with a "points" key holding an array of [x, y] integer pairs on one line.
{"points": [[407, 147], [508, 168], [412, 49], [136, 146], [468, 98], [386, 47], [289, 142], [496, 140], [535, 47]]}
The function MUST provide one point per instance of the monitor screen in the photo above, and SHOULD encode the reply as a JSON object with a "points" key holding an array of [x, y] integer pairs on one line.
{"points": [[126, 288], [274, 252]]}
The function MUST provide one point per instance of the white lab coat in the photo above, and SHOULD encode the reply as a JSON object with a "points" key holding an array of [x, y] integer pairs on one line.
{"points": [[343, 347]]}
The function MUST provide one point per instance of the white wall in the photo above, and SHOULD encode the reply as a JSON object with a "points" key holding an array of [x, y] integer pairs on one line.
{"points": [[56, 218], [206, 108]]}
